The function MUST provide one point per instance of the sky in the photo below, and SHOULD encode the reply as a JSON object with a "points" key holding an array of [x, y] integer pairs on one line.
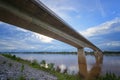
{"points": [[96, 20]]}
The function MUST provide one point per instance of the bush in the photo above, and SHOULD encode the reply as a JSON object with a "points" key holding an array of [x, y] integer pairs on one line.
{"points": [[35, 64], [22, 68], [14, 57], [58, 69], [65, 71], [51, 66], [43, 62]]}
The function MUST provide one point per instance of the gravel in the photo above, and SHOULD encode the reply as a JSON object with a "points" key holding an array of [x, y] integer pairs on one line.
{"points": [[12, 70]]}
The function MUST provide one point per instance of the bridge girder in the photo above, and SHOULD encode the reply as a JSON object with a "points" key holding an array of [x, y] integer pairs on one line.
{"points": [[34, 16]]}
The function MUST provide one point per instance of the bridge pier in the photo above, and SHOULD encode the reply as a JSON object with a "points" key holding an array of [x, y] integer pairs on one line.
{"points": [[82, 63], [99, 57], [96, 68]]}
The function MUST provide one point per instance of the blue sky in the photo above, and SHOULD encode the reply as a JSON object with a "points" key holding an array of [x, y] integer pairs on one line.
{"points": [[97, 20]]}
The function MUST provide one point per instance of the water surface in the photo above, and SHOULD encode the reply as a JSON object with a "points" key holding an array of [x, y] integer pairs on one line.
{"points": [[70, 61]]}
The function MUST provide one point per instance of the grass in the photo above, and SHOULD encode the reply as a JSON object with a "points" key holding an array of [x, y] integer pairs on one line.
{"points": [[32, 79], [22, 67], [109, 76], [21, 78]]}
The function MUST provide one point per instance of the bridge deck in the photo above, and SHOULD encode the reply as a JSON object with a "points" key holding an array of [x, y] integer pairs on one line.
{"points": [[35, 16]]}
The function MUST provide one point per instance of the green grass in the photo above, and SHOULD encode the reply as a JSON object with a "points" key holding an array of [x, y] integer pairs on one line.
{"points": [[22, 67], [21, 78], [109, 76]]}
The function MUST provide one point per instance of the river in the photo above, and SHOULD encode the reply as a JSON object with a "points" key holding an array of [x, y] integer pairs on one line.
{"points": [[69, 61]]}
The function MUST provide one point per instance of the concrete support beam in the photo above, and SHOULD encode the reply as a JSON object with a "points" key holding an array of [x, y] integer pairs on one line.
{"points": [[94, 72], [96, 68], [99, 57], [82, 63]]}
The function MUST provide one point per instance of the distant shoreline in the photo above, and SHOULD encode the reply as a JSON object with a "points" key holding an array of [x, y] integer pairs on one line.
{"points": [[87, 53]]}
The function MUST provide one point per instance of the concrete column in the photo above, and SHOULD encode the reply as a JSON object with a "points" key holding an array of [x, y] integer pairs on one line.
{"points": [[98, 57], [82, 63], [94, 72]]}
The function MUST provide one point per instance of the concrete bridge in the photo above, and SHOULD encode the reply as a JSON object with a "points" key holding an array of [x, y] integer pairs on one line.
{"points": [[35, 16]]}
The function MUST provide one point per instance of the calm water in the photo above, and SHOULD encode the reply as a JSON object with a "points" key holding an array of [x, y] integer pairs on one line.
{"points": [[110, 63]]}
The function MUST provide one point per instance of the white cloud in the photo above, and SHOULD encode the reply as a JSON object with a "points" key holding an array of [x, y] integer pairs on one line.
{"points": [[100, 8], [104, 28], [5, 45], [60, 5], [49, 48], [61, 8], [1, 22], [21, 29], [117, 29], [43, 38], [16, 45], [111, 44]]}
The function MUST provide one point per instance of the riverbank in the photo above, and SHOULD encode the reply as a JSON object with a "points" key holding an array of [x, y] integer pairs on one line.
{"points": [[12, 70], [52, 74]]}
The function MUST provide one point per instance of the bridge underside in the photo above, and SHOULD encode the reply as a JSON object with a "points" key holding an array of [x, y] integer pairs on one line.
{"points": [[34, 16]]}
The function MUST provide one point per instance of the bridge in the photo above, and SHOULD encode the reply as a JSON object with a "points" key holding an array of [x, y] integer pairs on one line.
{"points": [[35, 16]]}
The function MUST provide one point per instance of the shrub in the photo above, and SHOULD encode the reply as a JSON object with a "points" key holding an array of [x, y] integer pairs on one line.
{"points": [[51, 66], [35, 64], [43, 62], [65, 71], [22, 68], [58, 69], [14, 57]]}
